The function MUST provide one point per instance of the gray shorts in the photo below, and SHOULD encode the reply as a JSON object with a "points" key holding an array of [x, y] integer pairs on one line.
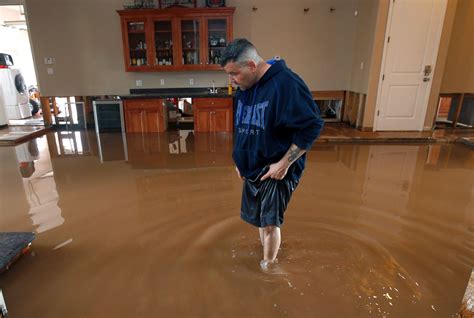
{"points": [[264, 202]]}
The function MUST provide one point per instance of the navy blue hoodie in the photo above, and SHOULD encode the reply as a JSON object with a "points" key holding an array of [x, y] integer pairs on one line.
{"points": [[276, 112]]}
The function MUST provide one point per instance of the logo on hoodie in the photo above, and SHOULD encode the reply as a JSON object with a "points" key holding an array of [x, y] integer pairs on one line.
{"points": [[250, 115]]}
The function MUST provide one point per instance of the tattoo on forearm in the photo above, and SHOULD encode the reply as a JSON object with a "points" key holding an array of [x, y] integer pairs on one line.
{"points": [[294, 153]]}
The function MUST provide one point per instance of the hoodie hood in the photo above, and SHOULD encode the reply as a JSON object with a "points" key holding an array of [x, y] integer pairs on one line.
{"points": [[275, 68]]}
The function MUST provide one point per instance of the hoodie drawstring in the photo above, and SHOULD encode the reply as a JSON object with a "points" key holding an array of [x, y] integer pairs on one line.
{"points": [[252, 105]]}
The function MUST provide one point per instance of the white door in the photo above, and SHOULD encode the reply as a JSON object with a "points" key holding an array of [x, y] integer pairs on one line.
{"points": [[411, 48]]}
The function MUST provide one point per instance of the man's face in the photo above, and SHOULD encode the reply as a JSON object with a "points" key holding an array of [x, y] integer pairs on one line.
{"points": [[242, 74]]}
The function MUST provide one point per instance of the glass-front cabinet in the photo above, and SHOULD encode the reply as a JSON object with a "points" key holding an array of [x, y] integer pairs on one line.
{"points": [[164, 55], [190, 37], [175, 39], [136, 53], [217, 37]]}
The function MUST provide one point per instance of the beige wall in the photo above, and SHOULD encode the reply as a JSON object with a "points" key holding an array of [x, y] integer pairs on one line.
{"points": [[364, 40], [459, 70], [375, 64], [85, 39], [319, 45], [446, 36]]}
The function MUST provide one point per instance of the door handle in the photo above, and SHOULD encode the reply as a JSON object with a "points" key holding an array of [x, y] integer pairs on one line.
{"points": [[426, 79]]}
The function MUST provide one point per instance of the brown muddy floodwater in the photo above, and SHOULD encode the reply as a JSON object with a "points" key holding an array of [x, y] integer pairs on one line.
{"points": [[148, 226]]}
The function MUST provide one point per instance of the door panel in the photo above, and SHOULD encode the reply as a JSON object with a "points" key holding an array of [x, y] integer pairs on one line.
{"points": [[152, 121], [221, 119], [203, 121], [134, 120], [400, 107]]}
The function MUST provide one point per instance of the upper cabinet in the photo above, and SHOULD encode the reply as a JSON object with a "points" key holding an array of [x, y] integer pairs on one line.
{"points": [[175, 39]]}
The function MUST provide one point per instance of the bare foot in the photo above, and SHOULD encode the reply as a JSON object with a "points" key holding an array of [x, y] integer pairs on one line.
{"points": [[266, 264]]}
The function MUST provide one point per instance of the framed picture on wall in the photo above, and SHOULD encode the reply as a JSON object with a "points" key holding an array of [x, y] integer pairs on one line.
{"points": [[180, 3], [215, 3]]}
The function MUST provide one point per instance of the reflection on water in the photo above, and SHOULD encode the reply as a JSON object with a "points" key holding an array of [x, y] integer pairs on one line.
{"points": [[382, 230], [39, 185]]}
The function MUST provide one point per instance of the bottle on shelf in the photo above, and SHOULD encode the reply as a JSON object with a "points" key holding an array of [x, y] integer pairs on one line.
{"points": [[217, 57], [229, 87]]}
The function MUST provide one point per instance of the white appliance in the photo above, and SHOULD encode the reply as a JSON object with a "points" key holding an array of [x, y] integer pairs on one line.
{"points": [[3, 112], [14, 96]]}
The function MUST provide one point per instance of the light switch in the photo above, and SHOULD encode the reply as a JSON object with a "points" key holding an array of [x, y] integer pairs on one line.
{"points": [[191, 81], [138, 83], [50, 70], [49, 60]]}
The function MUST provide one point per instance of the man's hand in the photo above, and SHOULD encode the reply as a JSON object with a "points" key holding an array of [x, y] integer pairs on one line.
{"points": [[238, 173], [277, 170]]}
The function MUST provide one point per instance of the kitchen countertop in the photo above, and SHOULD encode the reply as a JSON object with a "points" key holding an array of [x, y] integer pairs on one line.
{"points": [[201, 92]]}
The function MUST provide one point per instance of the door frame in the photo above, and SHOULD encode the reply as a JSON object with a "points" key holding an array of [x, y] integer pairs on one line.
{"points": [[444, 4]]}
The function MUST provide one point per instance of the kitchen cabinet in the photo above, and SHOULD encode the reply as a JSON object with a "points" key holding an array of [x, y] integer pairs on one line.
{"points": [[145, 115], [213, 114], [175, 39]]}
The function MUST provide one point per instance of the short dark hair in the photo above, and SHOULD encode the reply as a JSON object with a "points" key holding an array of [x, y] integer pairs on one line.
{"points": [[235, 50]]}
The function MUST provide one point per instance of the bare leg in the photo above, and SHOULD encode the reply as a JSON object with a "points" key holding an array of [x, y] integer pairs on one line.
{"points": [[260, 231], [271, 242]]}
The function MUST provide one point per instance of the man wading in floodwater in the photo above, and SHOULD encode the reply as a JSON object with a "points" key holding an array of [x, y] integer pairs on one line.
{"points": [[276, 121]]}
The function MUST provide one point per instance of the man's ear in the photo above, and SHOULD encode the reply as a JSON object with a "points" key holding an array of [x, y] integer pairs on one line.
{"points": [[252, 65]]}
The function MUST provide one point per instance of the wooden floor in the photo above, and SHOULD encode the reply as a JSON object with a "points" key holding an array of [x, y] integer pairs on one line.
{"points": [[332, 133], [342, 132]]}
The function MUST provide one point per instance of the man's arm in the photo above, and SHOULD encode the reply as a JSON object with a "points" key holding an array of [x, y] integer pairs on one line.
{"points": [[279, 169]]}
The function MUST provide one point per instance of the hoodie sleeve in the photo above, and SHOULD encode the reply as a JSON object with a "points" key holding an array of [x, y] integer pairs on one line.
{"points": [[302, 115]]}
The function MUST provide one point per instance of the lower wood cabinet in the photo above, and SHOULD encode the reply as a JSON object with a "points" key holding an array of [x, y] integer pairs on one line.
{"points": [[145, 115], [213, 114]]}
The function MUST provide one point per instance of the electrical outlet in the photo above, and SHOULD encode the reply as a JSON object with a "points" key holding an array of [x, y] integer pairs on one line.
{"points": [[361, 65], [162, 81], [50, 70], [139, 83], [191, 81]]}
